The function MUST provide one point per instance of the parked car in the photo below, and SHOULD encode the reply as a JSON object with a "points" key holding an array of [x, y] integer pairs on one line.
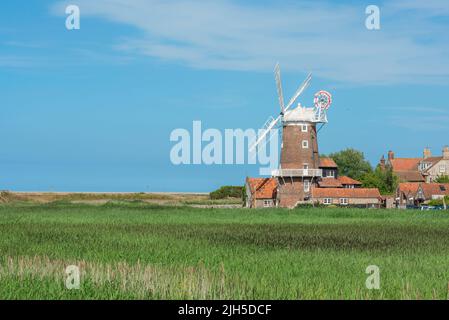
{"points": [[432, 207]]}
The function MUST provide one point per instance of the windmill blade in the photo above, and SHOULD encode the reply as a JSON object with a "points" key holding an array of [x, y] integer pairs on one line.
{"points": [[300, 90], [267, 130], [277, 76]]}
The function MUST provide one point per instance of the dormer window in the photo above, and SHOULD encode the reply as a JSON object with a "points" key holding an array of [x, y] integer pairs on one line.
{"points": [[424, 166]]}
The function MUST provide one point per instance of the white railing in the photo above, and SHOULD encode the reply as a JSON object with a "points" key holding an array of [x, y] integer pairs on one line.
{"points": [[297, 173]]}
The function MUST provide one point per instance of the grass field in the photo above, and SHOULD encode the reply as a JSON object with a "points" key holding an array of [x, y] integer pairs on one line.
{"points": [[142, 251]]}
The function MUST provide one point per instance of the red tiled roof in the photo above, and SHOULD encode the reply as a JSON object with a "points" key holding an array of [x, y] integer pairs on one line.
{"points": [[345, 193], [435, 189], [410, 176], [405, 164], [432, 159], [409, 187], [263, 188], [327, 163], [329, 183], [347, 180]]}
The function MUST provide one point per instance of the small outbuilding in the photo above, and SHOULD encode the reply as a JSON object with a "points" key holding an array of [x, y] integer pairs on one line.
{"points": [[260, 192]]}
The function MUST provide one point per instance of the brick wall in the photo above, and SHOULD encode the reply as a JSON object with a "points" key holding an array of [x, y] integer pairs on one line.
{"points": [[294, 156]]}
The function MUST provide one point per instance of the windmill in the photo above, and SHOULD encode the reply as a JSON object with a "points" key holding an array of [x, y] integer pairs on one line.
{"points": [[299, 163], [272, 122]]}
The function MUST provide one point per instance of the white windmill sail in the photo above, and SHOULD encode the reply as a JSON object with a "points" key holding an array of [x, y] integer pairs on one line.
{"points": [[298, 92], [277, 76]]}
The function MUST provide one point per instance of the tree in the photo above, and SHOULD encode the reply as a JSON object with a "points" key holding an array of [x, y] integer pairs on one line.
{"points": [[391, 180], [227, 192], [383, 179], [442, 179], [372, 180], [351, 163]]}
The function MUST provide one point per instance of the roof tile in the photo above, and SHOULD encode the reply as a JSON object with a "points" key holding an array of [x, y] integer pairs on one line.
{"points": [[329, 183], [327, 163], [409, 187], [263, 188], [348, 180], [410, 176], [405, 164], [435, 189]]}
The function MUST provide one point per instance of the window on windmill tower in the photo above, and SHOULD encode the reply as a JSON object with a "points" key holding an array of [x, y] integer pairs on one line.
{"points": [[305, 144], [304, 128], [306, 185]]}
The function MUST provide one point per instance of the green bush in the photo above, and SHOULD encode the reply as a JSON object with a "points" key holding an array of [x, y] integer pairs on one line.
{"points": [[442, 179], [316, 204], [439, 202], [227, 192]]}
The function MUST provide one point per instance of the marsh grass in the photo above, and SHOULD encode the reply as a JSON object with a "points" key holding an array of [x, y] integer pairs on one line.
{"points": [[101, 198], [138, 281], [136, 250]]}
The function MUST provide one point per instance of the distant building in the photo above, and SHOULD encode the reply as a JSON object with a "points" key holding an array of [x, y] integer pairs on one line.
{"points": [[434, 167], [407, 194], [260, 192], [330, 189], [355, 197], [414, 193], [425, 169]]}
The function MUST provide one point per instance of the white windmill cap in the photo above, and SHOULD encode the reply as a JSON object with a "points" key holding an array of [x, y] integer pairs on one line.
{"points": [[300, 114]]}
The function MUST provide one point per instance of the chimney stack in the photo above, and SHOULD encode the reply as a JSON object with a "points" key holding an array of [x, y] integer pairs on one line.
{"points": [[390, 155], [427, 153], [446, 153]]}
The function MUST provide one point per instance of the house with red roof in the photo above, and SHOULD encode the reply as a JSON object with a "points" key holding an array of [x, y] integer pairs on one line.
{"points": [[261, 192], [421, 169], [355, 197], [330, 189], [416, 193]]}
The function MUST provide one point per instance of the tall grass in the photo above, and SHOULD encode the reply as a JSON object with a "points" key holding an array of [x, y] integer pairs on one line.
{"points": [[141, 251]]}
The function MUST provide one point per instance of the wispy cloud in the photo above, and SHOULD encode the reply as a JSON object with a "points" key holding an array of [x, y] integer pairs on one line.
{"points": [[9, 61], [421, 123], [326, 38], [419, 118], [23, 44]]}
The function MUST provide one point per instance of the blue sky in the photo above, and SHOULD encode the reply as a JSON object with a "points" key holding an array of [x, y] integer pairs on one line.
{"points": [[93, 109]]}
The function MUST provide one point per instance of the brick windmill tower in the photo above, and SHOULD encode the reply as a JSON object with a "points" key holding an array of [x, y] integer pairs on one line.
{"points": [[299, 162]]}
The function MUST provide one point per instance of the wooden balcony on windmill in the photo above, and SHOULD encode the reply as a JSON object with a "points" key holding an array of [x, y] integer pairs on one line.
{"points": [[297, 173]]}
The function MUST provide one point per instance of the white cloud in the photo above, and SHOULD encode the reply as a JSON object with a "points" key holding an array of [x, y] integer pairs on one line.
{"points": [[330, 40], [419, 119], [420, 123]]}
